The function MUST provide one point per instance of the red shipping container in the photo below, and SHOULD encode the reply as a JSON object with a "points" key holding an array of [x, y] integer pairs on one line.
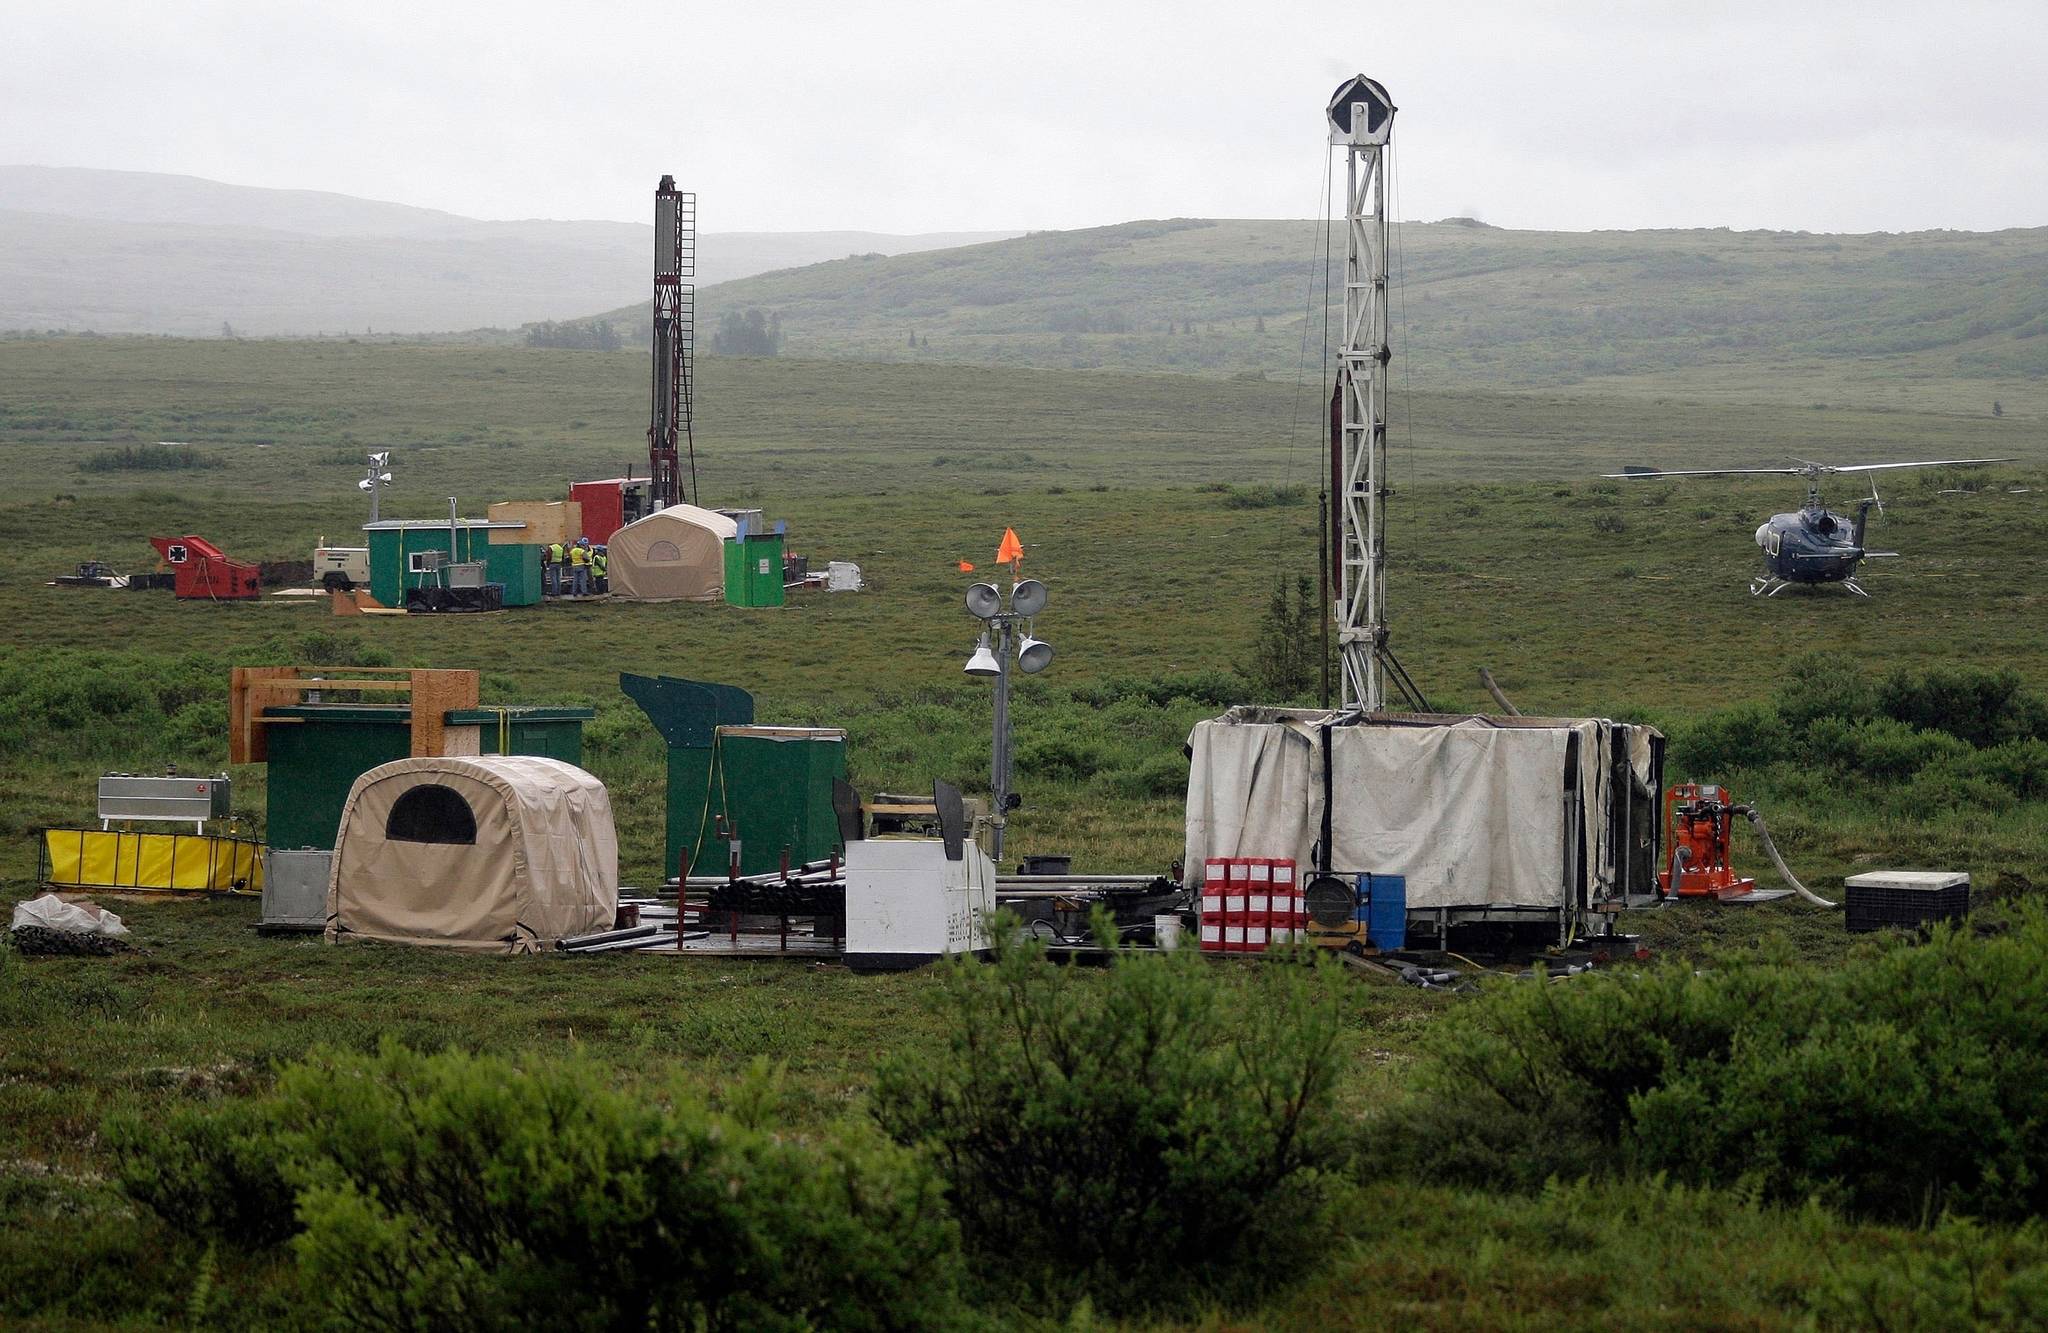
{"points": [[610, 505]]}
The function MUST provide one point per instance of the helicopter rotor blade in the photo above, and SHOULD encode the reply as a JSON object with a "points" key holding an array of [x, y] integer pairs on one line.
{"points": [[1650, 474], [1932, 462]]}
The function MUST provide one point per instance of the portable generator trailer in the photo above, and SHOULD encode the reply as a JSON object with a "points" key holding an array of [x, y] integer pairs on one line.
{"points": [[1514, 820]]}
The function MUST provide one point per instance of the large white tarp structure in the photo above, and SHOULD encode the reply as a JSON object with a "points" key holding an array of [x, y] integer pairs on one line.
{"points": [[1477, 813], [492, 853]]}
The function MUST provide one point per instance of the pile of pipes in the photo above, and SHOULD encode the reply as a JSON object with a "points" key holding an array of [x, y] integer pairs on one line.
{"points": [[642, 924]]}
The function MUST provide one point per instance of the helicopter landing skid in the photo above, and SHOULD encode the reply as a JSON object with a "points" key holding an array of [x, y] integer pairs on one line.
{"points": [[1770, 585]]}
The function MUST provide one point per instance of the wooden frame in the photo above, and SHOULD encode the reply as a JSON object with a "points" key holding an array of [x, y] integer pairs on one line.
{"points": [[433, 694]]}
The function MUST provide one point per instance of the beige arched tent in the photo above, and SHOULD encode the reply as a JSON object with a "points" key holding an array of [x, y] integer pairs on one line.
{"points": [[492, 853], [674, 554]]}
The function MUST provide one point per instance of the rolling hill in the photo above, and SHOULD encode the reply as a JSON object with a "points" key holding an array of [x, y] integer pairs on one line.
{"points": [[1470, 302], [138, 252]]}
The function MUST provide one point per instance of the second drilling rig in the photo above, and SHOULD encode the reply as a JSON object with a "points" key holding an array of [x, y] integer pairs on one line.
{"points": [[669, 431]]}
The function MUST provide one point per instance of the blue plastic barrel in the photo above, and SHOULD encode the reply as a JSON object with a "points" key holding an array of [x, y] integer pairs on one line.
{"points": [[1386, 909]]}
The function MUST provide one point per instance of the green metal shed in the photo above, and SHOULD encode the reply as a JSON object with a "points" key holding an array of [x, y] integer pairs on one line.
{"points": [[319, 752], [394, 543], [753, 570], [769, 786]]}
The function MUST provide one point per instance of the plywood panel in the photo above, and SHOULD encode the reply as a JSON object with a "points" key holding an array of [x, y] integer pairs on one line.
{"points": [[434, 695]]}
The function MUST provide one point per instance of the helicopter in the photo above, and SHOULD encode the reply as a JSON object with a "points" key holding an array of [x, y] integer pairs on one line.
{"points": [[1815, 545]]}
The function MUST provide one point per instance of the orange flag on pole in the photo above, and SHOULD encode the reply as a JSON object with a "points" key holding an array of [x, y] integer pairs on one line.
{"points": [[1012, 550]]}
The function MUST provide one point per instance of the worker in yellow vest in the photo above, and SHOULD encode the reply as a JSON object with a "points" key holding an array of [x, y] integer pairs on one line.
{"points": [[600, 562], [579, 567], [552, 556]]}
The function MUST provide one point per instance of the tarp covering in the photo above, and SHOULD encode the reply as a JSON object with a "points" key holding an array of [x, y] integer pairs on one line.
{"points": [[502, 853], [674, 554], [161, 862], [1475, 812]]}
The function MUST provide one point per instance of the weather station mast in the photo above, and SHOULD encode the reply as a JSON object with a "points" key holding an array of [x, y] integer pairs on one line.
{"points": [[675, 328], [1361, 120]]}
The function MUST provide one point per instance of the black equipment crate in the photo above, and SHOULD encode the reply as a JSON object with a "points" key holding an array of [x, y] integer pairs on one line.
{"points": [[1868, 907]]}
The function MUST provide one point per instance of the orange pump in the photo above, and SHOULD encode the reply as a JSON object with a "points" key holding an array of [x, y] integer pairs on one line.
{"points": [[1697, 823]]}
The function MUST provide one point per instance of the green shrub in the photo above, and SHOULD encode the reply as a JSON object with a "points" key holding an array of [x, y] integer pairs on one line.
{"points": [[1059, 757], [1897, 1084], [1880, 748], [1965, 1277], [1820, 686], [1984, 708], [1749, 736], [160, 457], [215, 1170], [455, 1191], [1138, 1134], [494, 1190], [1161, 775]]}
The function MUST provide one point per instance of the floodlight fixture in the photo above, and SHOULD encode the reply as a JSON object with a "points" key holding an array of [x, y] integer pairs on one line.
{"points": [[1028, 597], [380, 459], [1033, 655], [984, 662], [363, 485], [384, 477], [983, 601]]}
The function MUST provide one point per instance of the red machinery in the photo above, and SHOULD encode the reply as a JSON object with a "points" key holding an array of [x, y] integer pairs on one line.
{"points": [[202, 570], [612, 504], [1697, 823]]}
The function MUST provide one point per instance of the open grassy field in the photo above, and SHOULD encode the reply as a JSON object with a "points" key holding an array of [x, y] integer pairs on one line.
{"points": [[1159, 509]]}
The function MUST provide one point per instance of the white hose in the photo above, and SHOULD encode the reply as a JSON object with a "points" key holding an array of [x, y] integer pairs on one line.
{"points": [[1771, 848]]}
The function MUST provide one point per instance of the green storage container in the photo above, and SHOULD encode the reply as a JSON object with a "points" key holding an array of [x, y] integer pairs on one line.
{"points": [[394, 542], [753, 570], [773, 788], [770, 785], [317, 756]]}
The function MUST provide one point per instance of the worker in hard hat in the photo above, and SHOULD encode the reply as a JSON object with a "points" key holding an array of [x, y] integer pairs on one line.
{"points": [[552, 555], [600, 562], [579, 567]]}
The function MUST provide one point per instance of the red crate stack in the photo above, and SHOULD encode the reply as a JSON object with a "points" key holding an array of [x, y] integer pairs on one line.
{"points": [[1258, 904], [1214, 876], [1236, 888], [1289, 921], [1250, 903]]}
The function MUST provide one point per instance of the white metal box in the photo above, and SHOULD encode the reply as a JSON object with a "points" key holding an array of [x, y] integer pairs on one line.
{"points": [[128, 796], [907, 904]]}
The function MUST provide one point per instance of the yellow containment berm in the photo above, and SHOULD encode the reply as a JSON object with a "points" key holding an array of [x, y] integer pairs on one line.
{"points": [[151, 862]]}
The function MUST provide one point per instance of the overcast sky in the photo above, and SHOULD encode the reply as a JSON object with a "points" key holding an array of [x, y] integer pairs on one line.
{"points": [[1862, 115]]}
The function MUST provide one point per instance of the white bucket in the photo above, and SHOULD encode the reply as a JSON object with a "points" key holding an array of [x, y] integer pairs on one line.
{"points": [[1166, 930]]}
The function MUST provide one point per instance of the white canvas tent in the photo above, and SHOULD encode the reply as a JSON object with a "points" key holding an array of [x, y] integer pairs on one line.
{"points": [[674, 554], [491, 853], [1481, 815]]}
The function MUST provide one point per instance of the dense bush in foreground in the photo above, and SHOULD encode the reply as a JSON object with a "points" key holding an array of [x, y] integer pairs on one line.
{"points": [[1899, 1084], [1137, 1140], [454, 1191]]}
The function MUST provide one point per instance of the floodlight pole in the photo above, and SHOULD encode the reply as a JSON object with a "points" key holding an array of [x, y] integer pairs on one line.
{"points": [[1361, 119], [999, 755], [999, 637]]}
